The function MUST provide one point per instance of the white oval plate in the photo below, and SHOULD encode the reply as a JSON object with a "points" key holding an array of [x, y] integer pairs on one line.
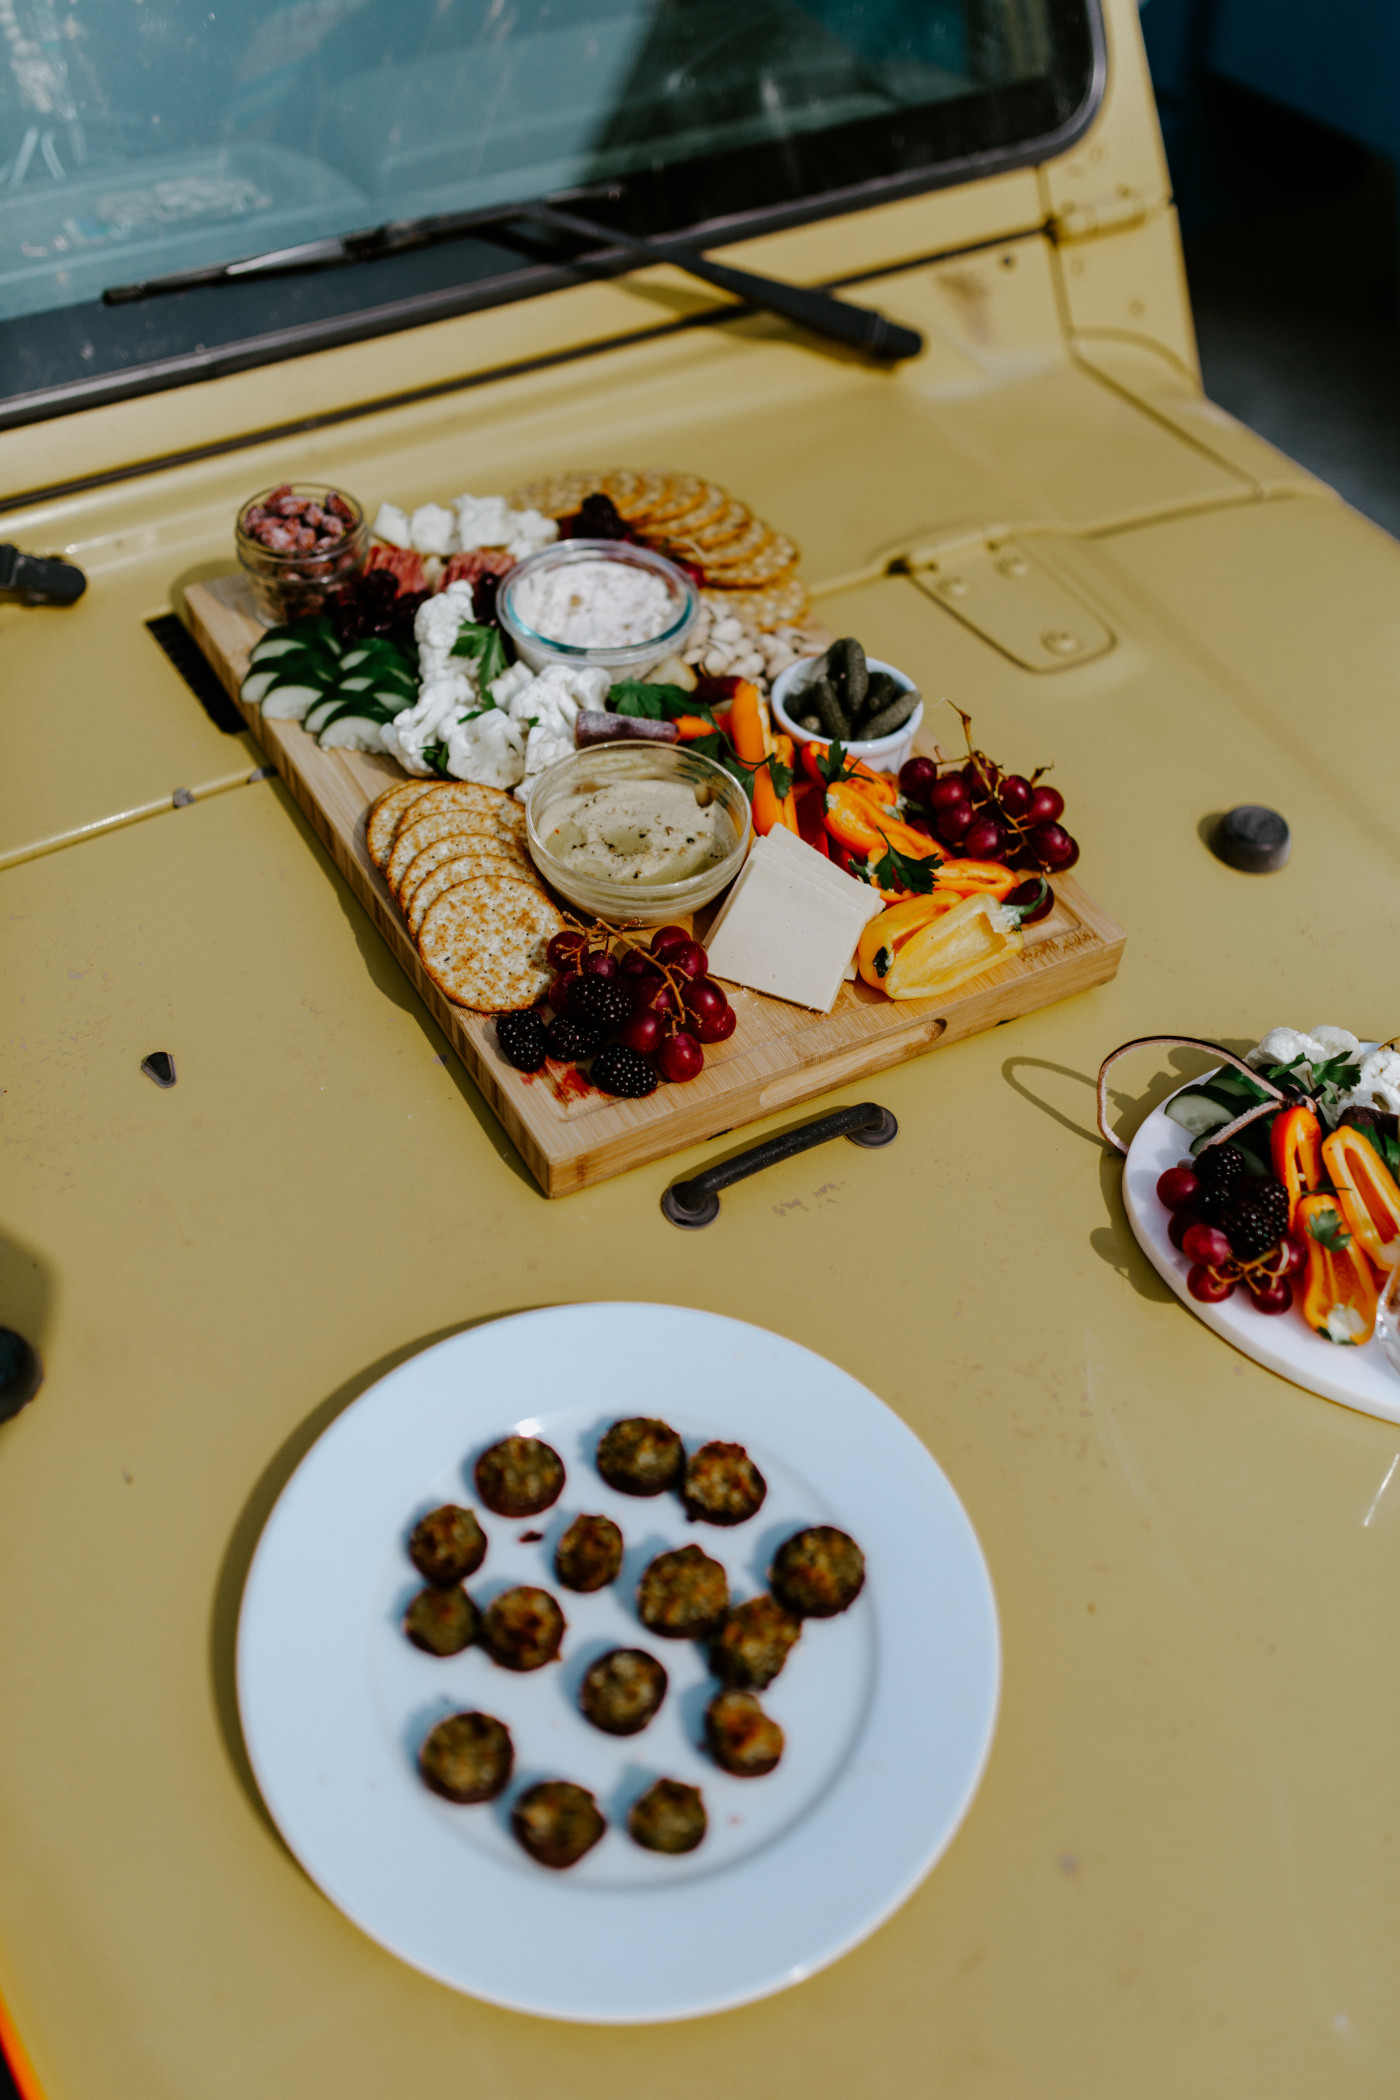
{"points": [[888, 1709], [1359, 1377]]}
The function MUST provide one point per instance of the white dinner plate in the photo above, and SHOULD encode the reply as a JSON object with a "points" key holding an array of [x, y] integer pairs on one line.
{"points": [[1358, 1376], [888, 1709]]}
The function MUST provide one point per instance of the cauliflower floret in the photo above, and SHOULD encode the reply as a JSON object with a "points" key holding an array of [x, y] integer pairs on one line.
{"points": [[504, 689], [436, 626], [487, 747], [433, 530], [441, 700], [1281, 1045], [1337, 1042], [548, 706], [1379, 1083], [391, 525]]}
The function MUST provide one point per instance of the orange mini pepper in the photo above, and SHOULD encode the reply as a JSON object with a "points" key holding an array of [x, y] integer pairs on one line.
{"points": [[1295, 1140], [1367, 1193], [746, 724], [1339, 1292], [688, 727], [883, 786], [862, 825], [969, 878]]}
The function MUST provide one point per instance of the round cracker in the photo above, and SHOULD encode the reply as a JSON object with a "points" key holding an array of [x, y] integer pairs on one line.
{"points": [[490, 844], [384, 815], [556, 495], [426, 831], [484, 942], [771, 563], [476, 858], [678, 494], [719, 530]]}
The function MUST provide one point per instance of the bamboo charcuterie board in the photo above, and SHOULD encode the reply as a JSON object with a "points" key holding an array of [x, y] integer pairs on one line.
{"points": [[570, 1135]]}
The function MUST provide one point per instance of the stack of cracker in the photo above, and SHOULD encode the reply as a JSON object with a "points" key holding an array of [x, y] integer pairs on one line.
{"points": [[748, 569], [455, 858]]}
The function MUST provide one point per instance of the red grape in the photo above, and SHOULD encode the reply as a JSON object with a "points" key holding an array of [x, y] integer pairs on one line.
{"points": [[1066, 865], [1204, 1243], [1027, 893], [703, 999], [637, 963], [923, 824], [644, 1033], [719, 1027], [952, 822], [917, 777], [680, 1057], [1053, 846], [1294, 1255], [689, 958], [981, 779], [1202, 1283], [1274, 1297], [654, 995], [601, 964], [1047, 805], [983, 839], [1178, 1225], [667, 937], [949, 793], [560, 988], [564, 950], [1178, 1188], [1014, 795]]}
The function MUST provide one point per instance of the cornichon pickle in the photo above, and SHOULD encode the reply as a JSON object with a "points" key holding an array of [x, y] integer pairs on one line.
{"points": [[828, 708], [878, 694], [890, 718], [845, 667]]}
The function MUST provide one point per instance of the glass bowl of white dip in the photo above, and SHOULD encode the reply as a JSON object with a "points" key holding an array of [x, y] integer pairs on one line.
{"points": [[597, 602], [637, 832]]}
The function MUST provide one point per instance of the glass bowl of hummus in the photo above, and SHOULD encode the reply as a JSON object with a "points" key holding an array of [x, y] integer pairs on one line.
{"points": [[637, 832], [597, 602]]}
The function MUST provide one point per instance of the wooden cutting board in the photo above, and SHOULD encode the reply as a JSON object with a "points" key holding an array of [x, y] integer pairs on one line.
{"points": [[571, 1136]]}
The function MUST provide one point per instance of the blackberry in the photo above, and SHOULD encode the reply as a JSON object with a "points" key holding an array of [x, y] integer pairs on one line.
{"points": [[1257, 1220], [570, 1040], [1220, 1167], [1211, 1204], [522, 1039], [618, 1070], [603, 1002]]}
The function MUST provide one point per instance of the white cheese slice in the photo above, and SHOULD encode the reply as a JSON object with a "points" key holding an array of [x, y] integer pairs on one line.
{"points": [[864, 898], [784, 933]]}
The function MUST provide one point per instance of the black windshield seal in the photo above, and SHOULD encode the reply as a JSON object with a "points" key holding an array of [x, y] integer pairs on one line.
{"points": [[83, 356]]}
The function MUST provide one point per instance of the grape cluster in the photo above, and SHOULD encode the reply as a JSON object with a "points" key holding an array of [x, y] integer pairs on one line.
{"points": [[1232, 1226], [981, 813], [640, 1013]]}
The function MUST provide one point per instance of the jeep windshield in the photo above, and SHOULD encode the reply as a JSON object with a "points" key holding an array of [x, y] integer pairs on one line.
{"points": [[144, 137]]}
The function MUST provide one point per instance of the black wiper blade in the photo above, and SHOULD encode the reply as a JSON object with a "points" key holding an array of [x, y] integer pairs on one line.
{"points": [[811, 308]]}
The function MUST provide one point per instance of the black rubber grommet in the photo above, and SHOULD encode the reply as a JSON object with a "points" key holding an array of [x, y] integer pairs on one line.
{"points": [[160, 1066], [886, 1129], [703, 1211], [1253, 839], [21, 1373]]}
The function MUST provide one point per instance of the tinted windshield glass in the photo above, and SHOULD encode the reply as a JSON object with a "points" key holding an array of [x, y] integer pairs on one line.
{"points": [[142, 137]]}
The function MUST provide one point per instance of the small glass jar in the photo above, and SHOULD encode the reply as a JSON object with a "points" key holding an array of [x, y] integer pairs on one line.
{"points": [[294, 583], [634, 765], [538, 650]]}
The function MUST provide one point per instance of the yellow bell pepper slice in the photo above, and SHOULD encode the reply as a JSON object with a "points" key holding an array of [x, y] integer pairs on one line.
{"points": [[942, 950]]}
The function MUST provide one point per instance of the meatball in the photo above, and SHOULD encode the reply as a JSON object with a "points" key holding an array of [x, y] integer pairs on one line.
{"points": [[467, 1757], [447, 1545], [557, 1822], [622, 1691], [722, 1485], [740, 1736], [640, 1456], [683, 1595], [589, 1555], [818, 1572], [522, 1628], [442, 1622], [519, 1477], [669, 1817], [753, 1643]]}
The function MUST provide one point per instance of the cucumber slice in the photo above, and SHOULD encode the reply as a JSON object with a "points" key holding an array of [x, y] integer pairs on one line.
{"points": [[255, 685], [277, 644], [352, 732], [1196, 1112], [288, 703], [321, 710]]}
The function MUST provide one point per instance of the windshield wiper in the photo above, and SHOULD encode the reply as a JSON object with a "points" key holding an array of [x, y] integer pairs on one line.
{"points": [[815, 309]]}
